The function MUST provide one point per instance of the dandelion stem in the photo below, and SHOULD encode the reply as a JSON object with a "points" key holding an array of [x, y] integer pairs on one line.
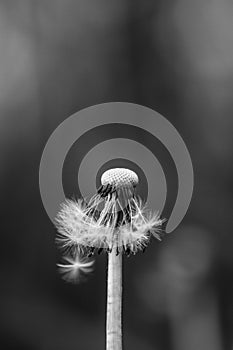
{"points": [[114, 302]]}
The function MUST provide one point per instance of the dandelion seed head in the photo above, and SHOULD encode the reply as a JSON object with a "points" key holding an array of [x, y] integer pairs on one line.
{"points": [[114, 218]]}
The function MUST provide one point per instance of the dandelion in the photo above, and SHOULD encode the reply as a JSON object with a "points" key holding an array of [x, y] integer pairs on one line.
{"points": [[116, 221]]}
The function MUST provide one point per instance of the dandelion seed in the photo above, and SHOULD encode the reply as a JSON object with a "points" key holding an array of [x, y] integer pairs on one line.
{"points": [[74, 268]]}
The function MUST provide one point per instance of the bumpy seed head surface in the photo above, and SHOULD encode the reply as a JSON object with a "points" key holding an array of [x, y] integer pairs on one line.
{"points": [[119, 177]]}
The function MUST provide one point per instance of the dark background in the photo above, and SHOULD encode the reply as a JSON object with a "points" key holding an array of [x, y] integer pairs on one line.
{"points": [[57, 57]]}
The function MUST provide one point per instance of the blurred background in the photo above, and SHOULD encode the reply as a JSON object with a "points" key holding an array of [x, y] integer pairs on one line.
{"points": [[57, 57]]}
